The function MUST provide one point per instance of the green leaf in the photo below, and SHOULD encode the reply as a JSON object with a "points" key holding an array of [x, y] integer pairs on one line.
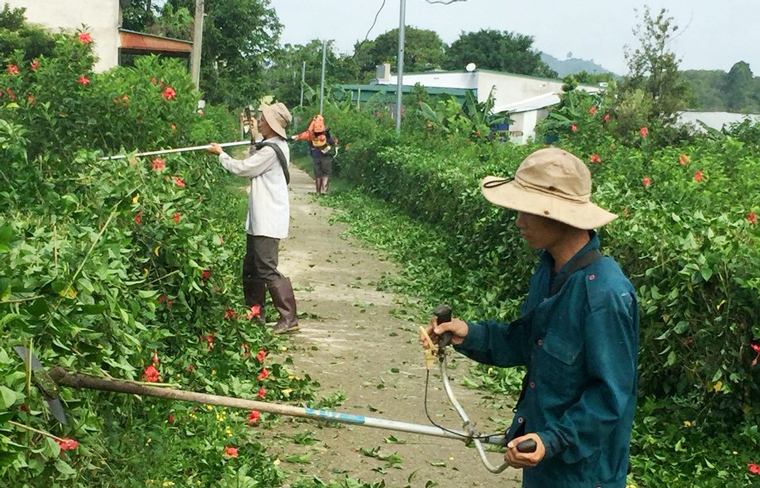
{"points": [[64, 468], [7, 397]]}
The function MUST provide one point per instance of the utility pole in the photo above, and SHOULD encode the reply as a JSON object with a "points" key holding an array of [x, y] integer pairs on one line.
{"points": [[195, 57], [400, 74], [322, 87], [303, 80]]}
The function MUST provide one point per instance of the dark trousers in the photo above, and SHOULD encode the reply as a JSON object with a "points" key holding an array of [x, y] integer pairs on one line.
{"points": [[260, 262]]}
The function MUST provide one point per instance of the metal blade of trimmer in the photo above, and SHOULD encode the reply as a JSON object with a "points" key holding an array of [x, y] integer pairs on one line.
{"points": [[44, 382]]}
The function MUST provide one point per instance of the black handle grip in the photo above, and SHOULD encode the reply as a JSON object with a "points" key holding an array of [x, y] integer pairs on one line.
{"points": [[443, 314], [527, 446]]}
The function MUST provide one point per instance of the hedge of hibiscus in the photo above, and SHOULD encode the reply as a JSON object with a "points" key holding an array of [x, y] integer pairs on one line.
{"points": [[687, 236], [128, 269]]}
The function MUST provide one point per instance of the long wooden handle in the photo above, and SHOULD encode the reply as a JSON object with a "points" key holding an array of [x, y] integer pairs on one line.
{"points": [[80, 381]]}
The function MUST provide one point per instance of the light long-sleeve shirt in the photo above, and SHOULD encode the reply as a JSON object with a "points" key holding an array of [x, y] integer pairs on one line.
{"points": [[268, 205]]}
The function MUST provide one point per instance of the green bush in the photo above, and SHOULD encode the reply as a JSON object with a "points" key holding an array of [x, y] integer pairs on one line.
{"points": [[111, 267]]}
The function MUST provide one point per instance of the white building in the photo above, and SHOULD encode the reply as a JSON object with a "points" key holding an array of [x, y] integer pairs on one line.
{"points": [[102, 19], [525, 98]]}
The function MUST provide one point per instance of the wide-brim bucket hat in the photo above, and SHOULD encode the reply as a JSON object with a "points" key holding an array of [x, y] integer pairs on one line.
{"points": [[278, 117], [551, 183]]}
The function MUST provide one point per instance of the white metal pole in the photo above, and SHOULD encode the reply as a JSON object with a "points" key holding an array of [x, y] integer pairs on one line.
{"points": [[178, 150], [303, 80], [400, 74], [322, 87]]}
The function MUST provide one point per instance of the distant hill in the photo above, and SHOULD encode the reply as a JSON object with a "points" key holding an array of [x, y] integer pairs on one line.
{"points": [[572, 66]]}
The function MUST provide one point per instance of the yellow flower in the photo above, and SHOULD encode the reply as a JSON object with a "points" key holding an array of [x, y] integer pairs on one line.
{"points": [[687, 423], [276, 462], [148, 441], [228, 431], [718, 386], [167, 483], [136, 198], [209, 407]]}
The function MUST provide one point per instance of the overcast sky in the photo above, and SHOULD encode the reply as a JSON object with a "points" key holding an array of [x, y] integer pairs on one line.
{"points": [[714, 34]]}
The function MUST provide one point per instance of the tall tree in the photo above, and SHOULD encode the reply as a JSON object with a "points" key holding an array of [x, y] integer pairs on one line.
{"points": [[239, 37], [283, 78], [496, 50], [423, 51], [654, 69], [738, 86]]}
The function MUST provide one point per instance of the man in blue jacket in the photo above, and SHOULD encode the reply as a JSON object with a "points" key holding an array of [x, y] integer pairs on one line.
{"points": [[577, 336]]}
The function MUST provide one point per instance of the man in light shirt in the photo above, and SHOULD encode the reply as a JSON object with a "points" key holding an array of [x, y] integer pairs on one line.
{"points": [[266, 165]]}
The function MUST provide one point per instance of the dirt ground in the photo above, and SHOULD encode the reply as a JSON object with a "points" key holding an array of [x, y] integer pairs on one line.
{"points": [[358, 342]]}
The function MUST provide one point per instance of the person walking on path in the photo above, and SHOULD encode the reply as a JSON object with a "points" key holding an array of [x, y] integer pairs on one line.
{"points": [[321, 146], [577, 334], [268, 220]]}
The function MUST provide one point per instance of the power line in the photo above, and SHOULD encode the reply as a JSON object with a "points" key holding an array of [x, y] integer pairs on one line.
{"points": [[375, 22]]}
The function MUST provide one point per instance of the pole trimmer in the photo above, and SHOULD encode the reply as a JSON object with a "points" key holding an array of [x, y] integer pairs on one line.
{"points": [[62, 377]]}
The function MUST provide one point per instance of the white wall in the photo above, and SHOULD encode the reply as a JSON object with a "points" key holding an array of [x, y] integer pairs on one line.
{"points": [[444, 79], [101, 18]]}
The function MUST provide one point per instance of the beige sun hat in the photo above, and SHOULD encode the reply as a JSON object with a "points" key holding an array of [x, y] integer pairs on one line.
{"points": [[278, 117], [551, 183]]}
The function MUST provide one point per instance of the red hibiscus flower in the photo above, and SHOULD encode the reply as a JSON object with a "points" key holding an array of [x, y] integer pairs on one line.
{"points": [[178, 181], [12, 69], [261, 355], [595, 159], [606, 117], [30, 99], [169, 93], [253, 417], [231, 451], [176, 218], [209, 338], [756, 348], [85, 38], [154, 359], [138, 218], [698, 176], [574, 128], [592, 110], [151, 374], [229, 313], [752, 218], [34, 64], [164, 299], [190, 368], [83, 80], [24, 408], [683, 159], [264, 374], [171, 418], [158, 164], [262, 393], [644, 131], [67, 444], [255, 311], [206, 273], [753, 468], [646, 181]]}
